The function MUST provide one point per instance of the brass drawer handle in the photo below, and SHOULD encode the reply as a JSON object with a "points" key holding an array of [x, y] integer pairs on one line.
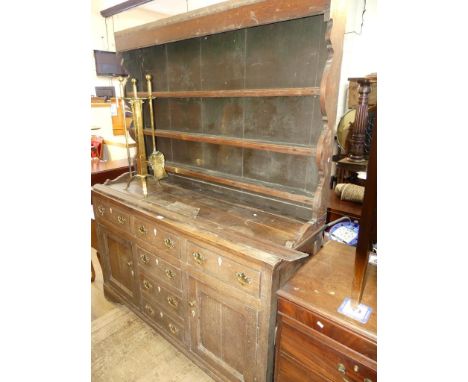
{"points": [[168, 243], [142, 230], [149, 310], [173, 329], [144, 258], [130, 263], [192, 303], [341, 368], [101, 210], [242, 278], [121, 219], [170, 275], [147, 284], [199, 259], [367, 380], [172, 302]]}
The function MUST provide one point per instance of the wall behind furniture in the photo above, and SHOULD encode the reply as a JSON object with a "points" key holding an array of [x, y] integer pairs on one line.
{"points": [[359, 46], [102, 29], [102, 34]]}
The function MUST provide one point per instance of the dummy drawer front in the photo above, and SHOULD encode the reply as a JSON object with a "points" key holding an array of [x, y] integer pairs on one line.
{"points": [[166, 299], [174, 327], [161, 270]]}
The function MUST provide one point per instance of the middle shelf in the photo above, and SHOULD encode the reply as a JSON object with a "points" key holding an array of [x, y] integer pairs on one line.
{"points": [[302, 150]]}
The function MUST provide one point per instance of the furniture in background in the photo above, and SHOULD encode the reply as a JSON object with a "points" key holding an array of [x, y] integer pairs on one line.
{"points": [[353, 91], [200, 254], [360, 98], [108, 123], [100, 172], [338, 208], [314, 342], [103, 170]]}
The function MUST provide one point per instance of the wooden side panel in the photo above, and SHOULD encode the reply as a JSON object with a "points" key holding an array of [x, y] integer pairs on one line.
{"points": [[223, 332], [329, 88]]}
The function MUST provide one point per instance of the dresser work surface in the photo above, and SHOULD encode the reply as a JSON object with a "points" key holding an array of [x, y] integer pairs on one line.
{"points": [[200, 270]]}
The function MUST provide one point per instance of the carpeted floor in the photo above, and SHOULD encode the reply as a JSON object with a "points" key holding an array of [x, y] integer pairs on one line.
{"points": [[125, 349]]}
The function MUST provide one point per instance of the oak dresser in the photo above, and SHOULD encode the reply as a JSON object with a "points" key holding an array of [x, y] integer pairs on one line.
{"points": [[245, 96]]}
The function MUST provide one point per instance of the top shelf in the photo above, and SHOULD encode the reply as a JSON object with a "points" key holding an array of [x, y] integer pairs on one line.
{"points": [[274, 92]]}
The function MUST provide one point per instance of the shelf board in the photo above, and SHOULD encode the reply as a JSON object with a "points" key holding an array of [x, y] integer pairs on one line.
{"points": [[236, 142], [238, 182], [236, 93]]}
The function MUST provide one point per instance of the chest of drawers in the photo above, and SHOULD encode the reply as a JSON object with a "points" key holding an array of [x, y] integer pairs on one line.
{"points": [[315, 342]]}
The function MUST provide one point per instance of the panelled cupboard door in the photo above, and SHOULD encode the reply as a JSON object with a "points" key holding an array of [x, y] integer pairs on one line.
{"points": [[223, 331], [118, 261]]}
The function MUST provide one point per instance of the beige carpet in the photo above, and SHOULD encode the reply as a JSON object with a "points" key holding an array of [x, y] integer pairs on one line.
{"points": [[125, 349]]}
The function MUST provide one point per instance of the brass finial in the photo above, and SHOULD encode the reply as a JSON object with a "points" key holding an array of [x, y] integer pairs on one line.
{"points": [[135, 93]]}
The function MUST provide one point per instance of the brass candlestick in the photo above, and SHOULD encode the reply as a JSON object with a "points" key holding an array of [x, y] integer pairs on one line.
{"points": [[126, 133], [141, 162]]}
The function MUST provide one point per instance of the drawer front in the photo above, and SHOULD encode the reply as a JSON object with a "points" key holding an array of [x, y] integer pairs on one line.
{"points": [[158, 315], [161, 238], [105, 211], [101, 210], [322, 358], [145, 230], [328, 328], [166, 299], [119, 217], [288, 370], [235, 274], [159, 269]]}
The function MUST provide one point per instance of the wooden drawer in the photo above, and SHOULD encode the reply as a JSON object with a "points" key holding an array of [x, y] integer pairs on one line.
{"points": [[159, 316], [315, 354], [101, 210], [158, 268], [106, 211], [166, 299], [328, 328], [288, 370], [235, 274], [161, 238]]}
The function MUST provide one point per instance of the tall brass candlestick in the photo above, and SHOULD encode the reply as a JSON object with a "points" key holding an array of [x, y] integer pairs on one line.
{"points": [[122, 102], [137, 104]]}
